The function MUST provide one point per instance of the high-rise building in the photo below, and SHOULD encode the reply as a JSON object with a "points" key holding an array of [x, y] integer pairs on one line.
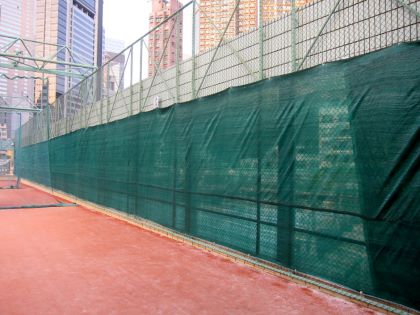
{"points": [[215, 16], [65, 23], [158, 40], [113, 72], [273, 9], [16, 20]]}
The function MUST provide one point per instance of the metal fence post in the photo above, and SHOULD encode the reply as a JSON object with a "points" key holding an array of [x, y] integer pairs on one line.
{"points": [[101, 104], [293, 17], [18, 150], [141, 74], [261, 39], [131, 80], [177, 51], [259, 158], [193, 87], [48, 121], [65, 99], [108, 102]]}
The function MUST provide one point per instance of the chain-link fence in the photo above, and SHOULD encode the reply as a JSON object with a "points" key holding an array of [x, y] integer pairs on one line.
{"points": [[205, 47], [6, 157]]}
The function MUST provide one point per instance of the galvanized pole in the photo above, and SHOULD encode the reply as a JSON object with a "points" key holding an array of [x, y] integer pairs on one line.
{"points": [[99, 61], [131, 80], [261, 70], [293, 35], [65, 98], [48, 122], [261, 39], [259, 165], [177, 50], [82, 100], [108, 104], [20, 147], [42, 91], [141, 75], [101, 108], [193, 87]]}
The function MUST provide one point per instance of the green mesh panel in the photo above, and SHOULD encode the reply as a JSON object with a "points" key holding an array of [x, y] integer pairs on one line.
{"points": [[317, 170]]}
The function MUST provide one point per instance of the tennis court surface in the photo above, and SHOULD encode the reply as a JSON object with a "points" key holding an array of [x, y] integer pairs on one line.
{"points": [[70, 260]]}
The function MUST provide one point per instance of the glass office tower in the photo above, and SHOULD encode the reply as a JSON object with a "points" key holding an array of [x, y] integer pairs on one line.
{"points": [[67, 23]]}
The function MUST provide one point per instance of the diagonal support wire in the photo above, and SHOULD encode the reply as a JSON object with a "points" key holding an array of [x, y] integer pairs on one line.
{"points": [[160, 74], [118, 91], [51, 58], [235, 52], [9, 44], [218, 46], [78, 99], [158, 65], [318, 35], [91, 96], [90, 102]]}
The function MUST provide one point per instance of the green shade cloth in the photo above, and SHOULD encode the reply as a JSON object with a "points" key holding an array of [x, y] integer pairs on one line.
{"points": [[317, 171]]}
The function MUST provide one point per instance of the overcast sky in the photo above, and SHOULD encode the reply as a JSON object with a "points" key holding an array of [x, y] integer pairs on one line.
{"points": [[126, 20]]}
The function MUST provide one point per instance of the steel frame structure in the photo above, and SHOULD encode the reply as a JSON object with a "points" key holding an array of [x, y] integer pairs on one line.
{"points": [[25, 106], [17, 51]]}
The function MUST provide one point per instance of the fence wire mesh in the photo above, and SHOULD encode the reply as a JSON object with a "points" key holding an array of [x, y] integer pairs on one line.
{"points": [[201, 50]]}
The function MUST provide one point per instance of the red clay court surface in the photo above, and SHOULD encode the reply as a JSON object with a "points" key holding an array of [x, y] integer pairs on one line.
{"points": [[70, 260]]}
